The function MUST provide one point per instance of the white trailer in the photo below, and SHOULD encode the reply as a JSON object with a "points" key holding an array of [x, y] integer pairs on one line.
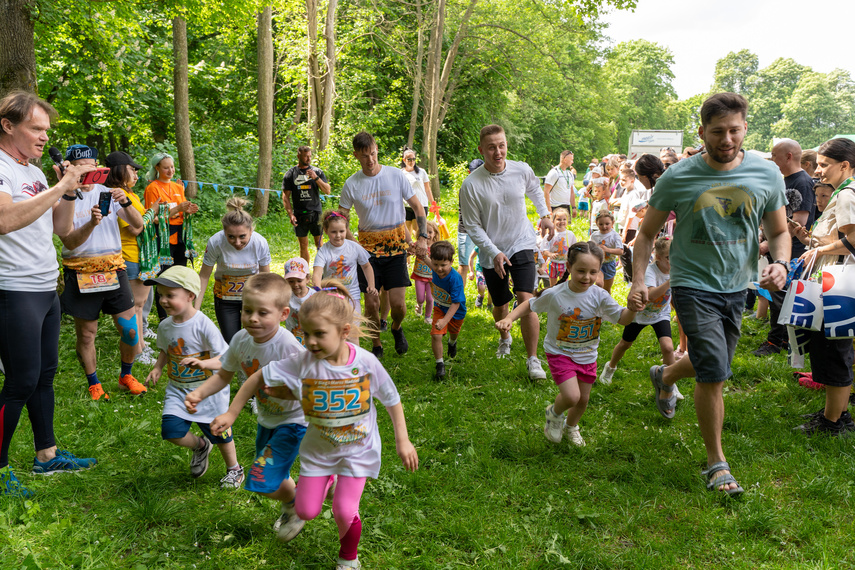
{"points": [[650, 142]]}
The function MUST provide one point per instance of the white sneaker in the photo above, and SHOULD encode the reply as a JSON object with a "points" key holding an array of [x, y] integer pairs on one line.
{"points": [[606, 374], [253, 405], [288, 525], [149, 333], [535, 370], [504, 347], [343, 564], [146, 357], [232, 479], [572, 433], [554, 425], [677, 393]]}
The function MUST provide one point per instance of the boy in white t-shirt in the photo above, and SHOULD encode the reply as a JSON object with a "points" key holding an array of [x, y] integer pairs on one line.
{"points": [[281, 424], [187, 338], [296, 274]]}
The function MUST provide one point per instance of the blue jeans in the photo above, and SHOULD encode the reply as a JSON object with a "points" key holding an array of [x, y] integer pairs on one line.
{"points": [[711, 322]]}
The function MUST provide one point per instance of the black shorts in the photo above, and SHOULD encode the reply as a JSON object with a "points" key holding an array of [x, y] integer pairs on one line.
{"points": [[830, 359], [389, 272], [409, 214], [308, 222], [89, 306], [632, 330], [522, 269]]}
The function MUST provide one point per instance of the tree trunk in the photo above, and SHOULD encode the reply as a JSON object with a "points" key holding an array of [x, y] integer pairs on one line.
{"points": [[328, 80], [18, 55], [315, 99], [265, 111], [417, 79], [182, 104], [298, 111]]}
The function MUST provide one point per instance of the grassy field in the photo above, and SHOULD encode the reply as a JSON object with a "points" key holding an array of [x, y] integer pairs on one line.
{"points": [[490, 492]]}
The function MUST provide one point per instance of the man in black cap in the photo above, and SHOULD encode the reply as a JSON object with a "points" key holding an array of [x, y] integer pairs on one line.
{"points": [[300, 185]]}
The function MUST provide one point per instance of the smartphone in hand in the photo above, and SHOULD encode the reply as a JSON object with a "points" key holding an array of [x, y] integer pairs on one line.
{"points": [[104, 200]]}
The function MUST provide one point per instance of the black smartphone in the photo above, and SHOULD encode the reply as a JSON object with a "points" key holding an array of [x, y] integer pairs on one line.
{"points": [[104, 201]]}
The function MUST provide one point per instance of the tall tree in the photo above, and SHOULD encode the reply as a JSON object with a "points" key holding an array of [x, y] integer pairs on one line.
{"points": [[182, 104], [265, 110], [321, 77], [736, 72], [18, 56]]}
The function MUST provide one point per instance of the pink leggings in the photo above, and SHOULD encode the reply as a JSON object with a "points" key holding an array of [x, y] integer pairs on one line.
{"points": [[423, 293], [311, 492]]}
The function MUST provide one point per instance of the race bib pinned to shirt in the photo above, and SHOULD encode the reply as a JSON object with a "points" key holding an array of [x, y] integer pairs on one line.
{"points": [[576, 333], [97, 282], [185, 377], [336, 402], [231, 287]]}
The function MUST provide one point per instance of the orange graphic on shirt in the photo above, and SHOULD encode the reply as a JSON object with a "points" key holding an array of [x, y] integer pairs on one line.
{"points": [[340, 270], [575, 332], [250, 367], [384, 243]]}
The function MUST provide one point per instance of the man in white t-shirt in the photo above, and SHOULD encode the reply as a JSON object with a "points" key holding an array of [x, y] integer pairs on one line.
{"points": [[378, 194], [492, 203], [559, 185]]}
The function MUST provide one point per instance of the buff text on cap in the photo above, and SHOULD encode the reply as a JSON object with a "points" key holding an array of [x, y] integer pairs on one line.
{"points": [[178, 276], [296, 268]]}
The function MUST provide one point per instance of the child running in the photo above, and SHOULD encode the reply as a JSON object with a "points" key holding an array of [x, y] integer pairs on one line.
{"points": [[296, 273], [574, 313], [422, 276], [281, 424], [449, 309], [480, 282], [339, 257], [556, 248], [336, 383], [609, 241], [599, 202], [657, 313], [185, 338], [238, 252]]}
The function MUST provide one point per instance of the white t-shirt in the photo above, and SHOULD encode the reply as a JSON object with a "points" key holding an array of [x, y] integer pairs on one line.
{"points": [[292, 323], [341, 263], [418, 181], [626, 217], [234, 266], [27, 256], [103, 249], [247, 355], [611, 240], [379, 203], [562, 182], [338, 402], [494, 211], [658, 309], [200, 338], [597, 207], [560, 245], [573, 320]]}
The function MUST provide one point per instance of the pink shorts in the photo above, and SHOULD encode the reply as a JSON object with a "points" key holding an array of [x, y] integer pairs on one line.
{"points": [[563, 368]]}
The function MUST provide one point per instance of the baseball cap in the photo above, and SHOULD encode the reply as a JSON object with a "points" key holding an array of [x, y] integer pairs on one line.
{"points": [[475, 164], [597, 170], [118, 158], [178, 276], [638, 205], [80, 151], [598, 181], [296, 267]]}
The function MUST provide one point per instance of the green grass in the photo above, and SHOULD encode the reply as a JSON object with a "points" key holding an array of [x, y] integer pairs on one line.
{"points": [[490, 492]]}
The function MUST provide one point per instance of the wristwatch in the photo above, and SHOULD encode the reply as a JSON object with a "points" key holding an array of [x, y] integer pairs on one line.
{"points": [[126, 203], [69, 198], [783, 262], [423, 235]]}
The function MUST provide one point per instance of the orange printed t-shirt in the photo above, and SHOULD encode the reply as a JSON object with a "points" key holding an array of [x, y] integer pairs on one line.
{"points": [[171, 193]]}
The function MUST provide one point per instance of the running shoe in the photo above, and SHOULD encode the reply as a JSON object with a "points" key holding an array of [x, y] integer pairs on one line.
{"points": [[149, 333], [147, 356], [535, 370], [607, 374], [199, 460], [440, 370], [377, 351], [97, 392], [343, 564], [573, 435], [554, 425], [288, 525], [384, 325], [11, 487], [479, 301], [452, 349], [129, 383], [504, 348], [232, 479], [64, 462], [401, 344]]}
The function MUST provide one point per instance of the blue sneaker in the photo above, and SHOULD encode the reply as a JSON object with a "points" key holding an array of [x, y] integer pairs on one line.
{"points": [[63, 462], [10, 487]]}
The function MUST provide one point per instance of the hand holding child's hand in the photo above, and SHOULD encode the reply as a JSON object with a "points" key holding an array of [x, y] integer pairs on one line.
{"points": [[153, 377], [504, 325], [190, 402], [371, 291], [408, 455], [221, 423]]}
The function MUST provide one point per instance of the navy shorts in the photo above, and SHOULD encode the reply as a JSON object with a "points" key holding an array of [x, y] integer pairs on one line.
{"points": [[275, 452], [89, 306], [390, 272], [173, 427], [711, 322]]}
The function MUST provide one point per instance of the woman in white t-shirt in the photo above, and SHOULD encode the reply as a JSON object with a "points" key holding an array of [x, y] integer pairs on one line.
{"points": [[419, 180], [238, 252]]}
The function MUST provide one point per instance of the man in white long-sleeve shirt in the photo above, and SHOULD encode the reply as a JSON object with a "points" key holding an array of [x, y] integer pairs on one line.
{"points": [[492, 204]]}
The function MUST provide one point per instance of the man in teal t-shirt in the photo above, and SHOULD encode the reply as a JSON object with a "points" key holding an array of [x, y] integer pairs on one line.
{"points": [[720, 198]]}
